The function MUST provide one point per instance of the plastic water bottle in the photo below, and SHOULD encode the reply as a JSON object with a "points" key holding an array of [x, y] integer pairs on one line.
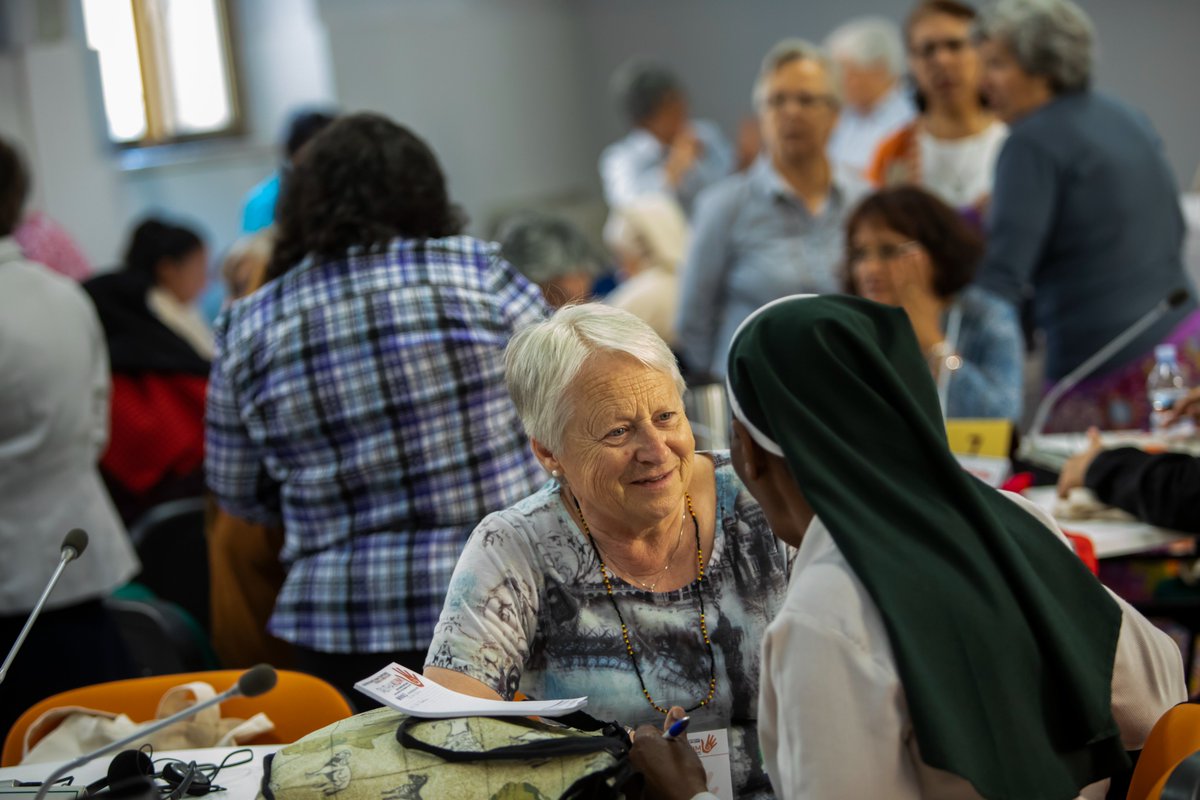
{"points": [[1165, 386]]}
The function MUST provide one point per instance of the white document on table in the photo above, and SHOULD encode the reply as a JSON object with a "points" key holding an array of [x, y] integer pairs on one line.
{"points": [[419, 696]]}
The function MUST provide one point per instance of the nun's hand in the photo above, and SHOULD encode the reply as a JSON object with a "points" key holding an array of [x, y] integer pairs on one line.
{"points": [[672, 769]]}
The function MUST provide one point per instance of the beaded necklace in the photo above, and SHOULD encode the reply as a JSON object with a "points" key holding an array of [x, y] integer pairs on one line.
{"points": [[712, 661]]}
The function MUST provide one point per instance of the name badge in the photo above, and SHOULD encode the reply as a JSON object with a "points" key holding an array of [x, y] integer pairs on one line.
{"points": [[713, 749]]}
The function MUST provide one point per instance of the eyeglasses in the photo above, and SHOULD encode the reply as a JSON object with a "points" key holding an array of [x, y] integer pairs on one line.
{"points": [[806, 101], [885, 252], [927, 50]]}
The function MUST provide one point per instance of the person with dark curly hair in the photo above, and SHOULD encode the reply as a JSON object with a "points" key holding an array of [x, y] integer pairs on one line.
{"points": [[358, 398], [907, 248]]}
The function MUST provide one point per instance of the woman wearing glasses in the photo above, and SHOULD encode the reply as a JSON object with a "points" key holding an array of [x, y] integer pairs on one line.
{"points": [[905, 247], [951, 149]]}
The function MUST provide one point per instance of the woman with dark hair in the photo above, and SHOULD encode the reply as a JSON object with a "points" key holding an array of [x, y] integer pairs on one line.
{"points": [[160, 350], [951, 148], [358, 399], [905, 247]]}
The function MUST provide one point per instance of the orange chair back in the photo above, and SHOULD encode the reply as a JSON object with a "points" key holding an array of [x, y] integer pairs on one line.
{"points": [[1175, 736], [298, 705]]}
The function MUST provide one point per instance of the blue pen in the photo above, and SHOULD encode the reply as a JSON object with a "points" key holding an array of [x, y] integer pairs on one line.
{"points": [[677, 729]]}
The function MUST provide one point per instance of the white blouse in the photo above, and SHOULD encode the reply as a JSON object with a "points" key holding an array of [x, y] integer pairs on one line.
{"points": [[832, 715]]}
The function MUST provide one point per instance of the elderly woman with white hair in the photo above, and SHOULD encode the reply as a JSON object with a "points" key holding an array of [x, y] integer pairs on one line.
{"points": [[553, 253], [642, 575], [875, 103], [1085, 212]]}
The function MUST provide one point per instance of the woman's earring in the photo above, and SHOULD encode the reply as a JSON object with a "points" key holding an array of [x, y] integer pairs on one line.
{"points": [[555, 474]]}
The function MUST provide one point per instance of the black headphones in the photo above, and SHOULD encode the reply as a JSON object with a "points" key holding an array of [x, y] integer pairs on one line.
{"points": [[132, 772]]}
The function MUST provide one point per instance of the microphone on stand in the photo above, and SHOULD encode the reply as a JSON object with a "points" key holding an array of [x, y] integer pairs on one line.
{"points": [[74, 543], [251, 683], [1069, 381]]}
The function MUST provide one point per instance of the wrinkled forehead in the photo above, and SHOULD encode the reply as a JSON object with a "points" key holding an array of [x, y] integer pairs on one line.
{"points": [[615, 384]]}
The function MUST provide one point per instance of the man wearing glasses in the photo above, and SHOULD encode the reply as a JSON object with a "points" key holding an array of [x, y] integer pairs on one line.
{"points": [[776, 229]]}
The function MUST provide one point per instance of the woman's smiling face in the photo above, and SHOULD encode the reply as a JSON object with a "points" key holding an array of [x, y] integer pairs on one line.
{"points": [[627, 447]]}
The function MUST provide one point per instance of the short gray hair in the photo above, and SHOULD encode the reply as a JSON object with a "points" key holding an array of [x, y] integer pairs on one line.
{"points": [[543, 359], [866, 41], [790, 50], [641, 86], [1050, 38], [544, 247]]}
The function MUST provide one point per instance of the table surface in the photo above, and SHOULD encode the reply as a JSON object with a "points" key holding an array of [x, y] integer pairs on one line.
{"points": [[1115, 538], [241, 782]]}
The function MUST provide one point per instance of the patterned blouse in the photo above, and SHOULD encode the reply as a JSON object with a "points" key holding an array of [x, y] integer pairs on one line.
{"points": [[527, 609]]}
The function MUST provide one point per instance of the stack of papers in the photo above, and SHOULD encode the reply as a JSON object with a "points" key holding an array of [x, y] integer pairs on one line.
{"points": [[418, 696]]}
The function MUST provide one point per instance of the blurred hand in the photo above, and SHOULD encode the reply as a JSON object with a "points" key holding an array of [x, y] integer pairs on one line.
{"points": [[1075, 469], [912, 277], [672, 769], [1188, 407], [682, 154]]}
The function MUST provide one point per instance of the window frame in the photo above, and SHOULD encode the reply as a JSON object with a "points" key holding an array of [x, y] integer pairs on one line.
{"points": [[156, 94]]}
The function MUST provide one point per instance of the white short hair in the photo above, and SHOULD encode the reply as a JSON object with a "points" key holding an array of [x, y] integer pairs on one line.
{"points": [[543, 359], [789, 50], [1051, 38], [866, 41]]}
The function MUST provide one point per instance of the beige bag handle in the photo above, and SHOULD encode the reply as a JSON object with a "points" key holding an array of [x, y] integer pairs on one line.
{"points": [[51, 718]]}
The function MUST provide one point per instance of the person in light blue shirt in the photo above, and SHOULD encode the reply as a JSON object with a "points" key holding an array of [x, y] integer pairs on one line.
{"points": [[869, 55], [776, 229], [258, 211], [664, 152]]}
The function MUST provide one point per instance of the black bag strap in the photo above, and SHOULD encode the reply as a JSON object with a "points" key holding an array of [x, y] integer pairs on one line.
{"points": [[613, 740]]}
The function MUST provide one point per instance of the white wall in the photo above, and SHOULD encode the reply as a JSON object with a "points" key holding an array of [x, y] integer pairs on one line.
{"points": [[493, 87]]}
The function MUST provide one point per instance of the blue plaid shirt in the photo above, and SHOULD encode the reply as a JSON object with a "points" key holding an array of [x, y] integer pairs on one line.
{"points": [[361, 403]]}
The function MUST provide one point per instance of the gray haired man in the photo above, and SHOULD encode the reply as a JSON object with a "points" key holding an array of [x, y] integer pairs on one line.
{"points": [[664, 152]]}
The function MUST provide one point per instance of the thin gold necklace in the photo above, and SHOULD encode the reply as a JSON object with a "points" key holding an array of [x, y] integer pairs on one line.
{"points": [[670, 558], [712, 660]]}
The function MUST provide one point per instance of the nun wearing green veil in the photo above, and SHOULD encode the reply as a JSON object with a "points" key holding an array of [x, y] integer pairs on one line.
{"points": [[939, 639]]}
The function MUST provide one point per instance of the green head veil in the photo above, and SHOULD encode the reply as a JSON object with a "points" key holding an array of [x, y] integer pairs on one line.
{"points": [[1003, 640]]}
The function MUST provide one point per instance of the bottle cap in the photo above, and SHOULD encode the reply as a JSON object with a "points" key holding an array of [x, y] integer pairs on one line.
{"points": [[1164, 352]]}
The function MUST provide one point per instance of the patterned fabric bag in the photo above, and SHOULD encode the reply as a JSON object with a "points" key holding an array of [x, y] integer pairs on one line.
{"points": [[386, 755]]}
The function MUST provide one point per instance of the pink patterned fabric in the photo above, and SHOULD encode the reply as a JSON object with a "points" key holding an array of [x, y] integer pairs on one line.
{"points": [[1117, 400], [45, 241]]}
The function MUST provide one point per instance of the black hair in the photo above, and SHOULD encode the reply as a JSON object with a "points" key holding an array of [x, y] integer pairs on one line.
{"points": [[14, 187], [303, 126], [642, 87], [361, 182], [155, 239]]}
